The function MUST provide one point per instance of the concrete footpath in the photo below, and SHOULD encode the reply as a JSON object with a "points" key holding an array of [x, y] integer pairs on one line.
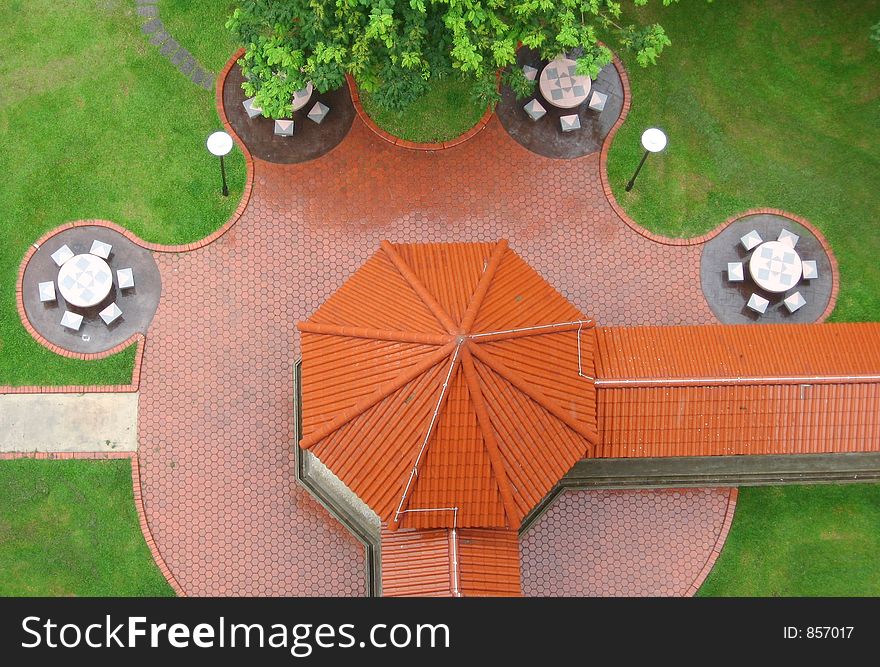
{"points": [[100, 422]]}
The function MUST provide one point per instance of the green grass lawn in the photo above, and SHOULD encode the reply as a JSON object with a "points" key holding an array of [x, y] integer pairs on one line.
{"points": [[200, 26], [443, 113], [801, 541], [96, 124], [70, 528], [766, 103]]}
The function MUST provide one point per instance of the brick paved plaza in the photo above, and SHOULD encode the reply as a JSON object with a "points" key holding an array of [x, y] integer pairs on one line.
{"points": [[216, 409]]}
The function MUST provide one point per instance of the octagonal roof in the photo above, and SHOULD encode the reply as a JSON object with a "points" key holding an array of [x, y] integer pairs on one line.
{"points": [[448, 385]]}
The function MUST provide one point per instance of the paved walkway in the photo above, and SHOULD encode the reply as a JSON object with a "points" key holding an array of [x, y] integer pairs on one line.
{"points": [[625, 543], [216, 430], [169, 47], [91, 422]]}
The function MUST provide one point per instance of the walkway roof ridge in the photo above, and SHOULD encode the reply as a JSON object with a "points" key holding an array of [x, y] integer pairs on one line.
{"points": [[738, 354]]}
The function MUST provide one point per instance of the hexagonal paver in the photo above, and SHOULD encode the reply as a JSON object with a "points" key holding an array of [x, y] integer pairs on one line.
{"points": [[623, 542]]}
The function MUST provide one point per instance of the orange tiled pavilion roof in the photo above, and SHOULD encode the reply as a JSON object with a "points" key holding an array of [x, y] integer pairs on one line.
{"points": [[738, 389], [448, 385]]}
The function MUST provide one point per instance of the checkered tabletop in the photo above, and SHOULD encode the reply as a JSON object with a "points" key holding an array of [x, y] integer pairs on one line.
{"points": [[775, 266], [302, 96], [84, 280], [561, 86]]}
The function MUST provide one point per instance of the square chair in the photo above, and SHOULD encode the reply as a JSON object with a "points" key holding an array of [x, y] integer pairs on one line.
{"points": [[735, 272], [530, 72], [249, 107], [758, 304], [318, 112], [100, 249], [111, 313], [62, 255], [284, 128], [810, 272], [534, 110], [794, 302], [570, 123], [788, 238], [47, 291], [751, 240], [71, 320], [598, 100], [125, 278]]}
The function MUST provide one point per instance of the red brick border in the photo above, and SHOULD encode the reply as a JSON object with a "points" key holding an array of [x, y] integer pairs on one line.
{"points": [[719, 544], [62, 456], [413, 145], [703, 238]]}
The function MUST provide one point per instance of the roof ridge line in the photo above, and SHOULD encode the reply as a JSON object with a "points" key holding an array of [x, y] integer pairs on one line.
{"points": [[479, 294], [382, 391], [374, 334], [492, 449], [536, 395], [742, 380], [421, 291], [537, 330]]}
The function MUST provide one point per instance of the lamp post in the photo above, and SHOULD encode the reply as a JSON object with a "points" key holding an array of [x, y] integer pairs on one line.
{"points": [[219, 144], [653, 141]]}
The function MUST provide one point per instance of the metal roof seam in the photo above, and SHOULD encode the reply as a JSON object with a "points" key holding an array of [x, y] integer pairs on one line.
{"points": [[517, 381], [430, 431]]}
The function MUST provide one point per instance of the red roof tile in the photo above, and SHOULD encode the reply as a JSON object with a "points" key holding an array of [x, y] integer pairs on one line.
{"points": [[457, 360], [731, 351], [715, 390], [450, 563]]}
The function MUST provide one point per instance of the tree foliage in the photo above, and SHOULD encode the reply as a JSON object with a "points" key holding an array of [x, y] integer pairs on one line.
{"points": [[393, 47]]}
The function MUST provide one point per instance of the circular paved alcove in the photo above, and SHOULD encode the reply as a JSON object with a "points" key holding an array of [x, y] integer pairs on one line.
{"points": [[625, 542], [138, 304], [728, 299], [544, 136], [310, 140]]}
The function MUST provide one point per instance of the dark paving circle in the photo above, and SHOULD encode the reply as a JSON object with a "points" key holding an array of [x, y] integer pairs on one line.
{"points": [[728, 300], [544, 136], [309, 141], [138, 304]]}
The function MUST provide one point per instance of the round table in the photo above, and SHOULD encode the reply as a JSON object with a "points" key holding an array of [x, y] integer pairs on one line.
{"points": [[302, 96], [85, 280], [561, 86], [775, 266]]}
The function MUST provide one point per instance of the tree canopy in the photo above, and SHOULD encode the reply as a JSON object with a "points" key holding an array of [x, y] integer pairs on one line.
{"points": [[393, 47]]}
